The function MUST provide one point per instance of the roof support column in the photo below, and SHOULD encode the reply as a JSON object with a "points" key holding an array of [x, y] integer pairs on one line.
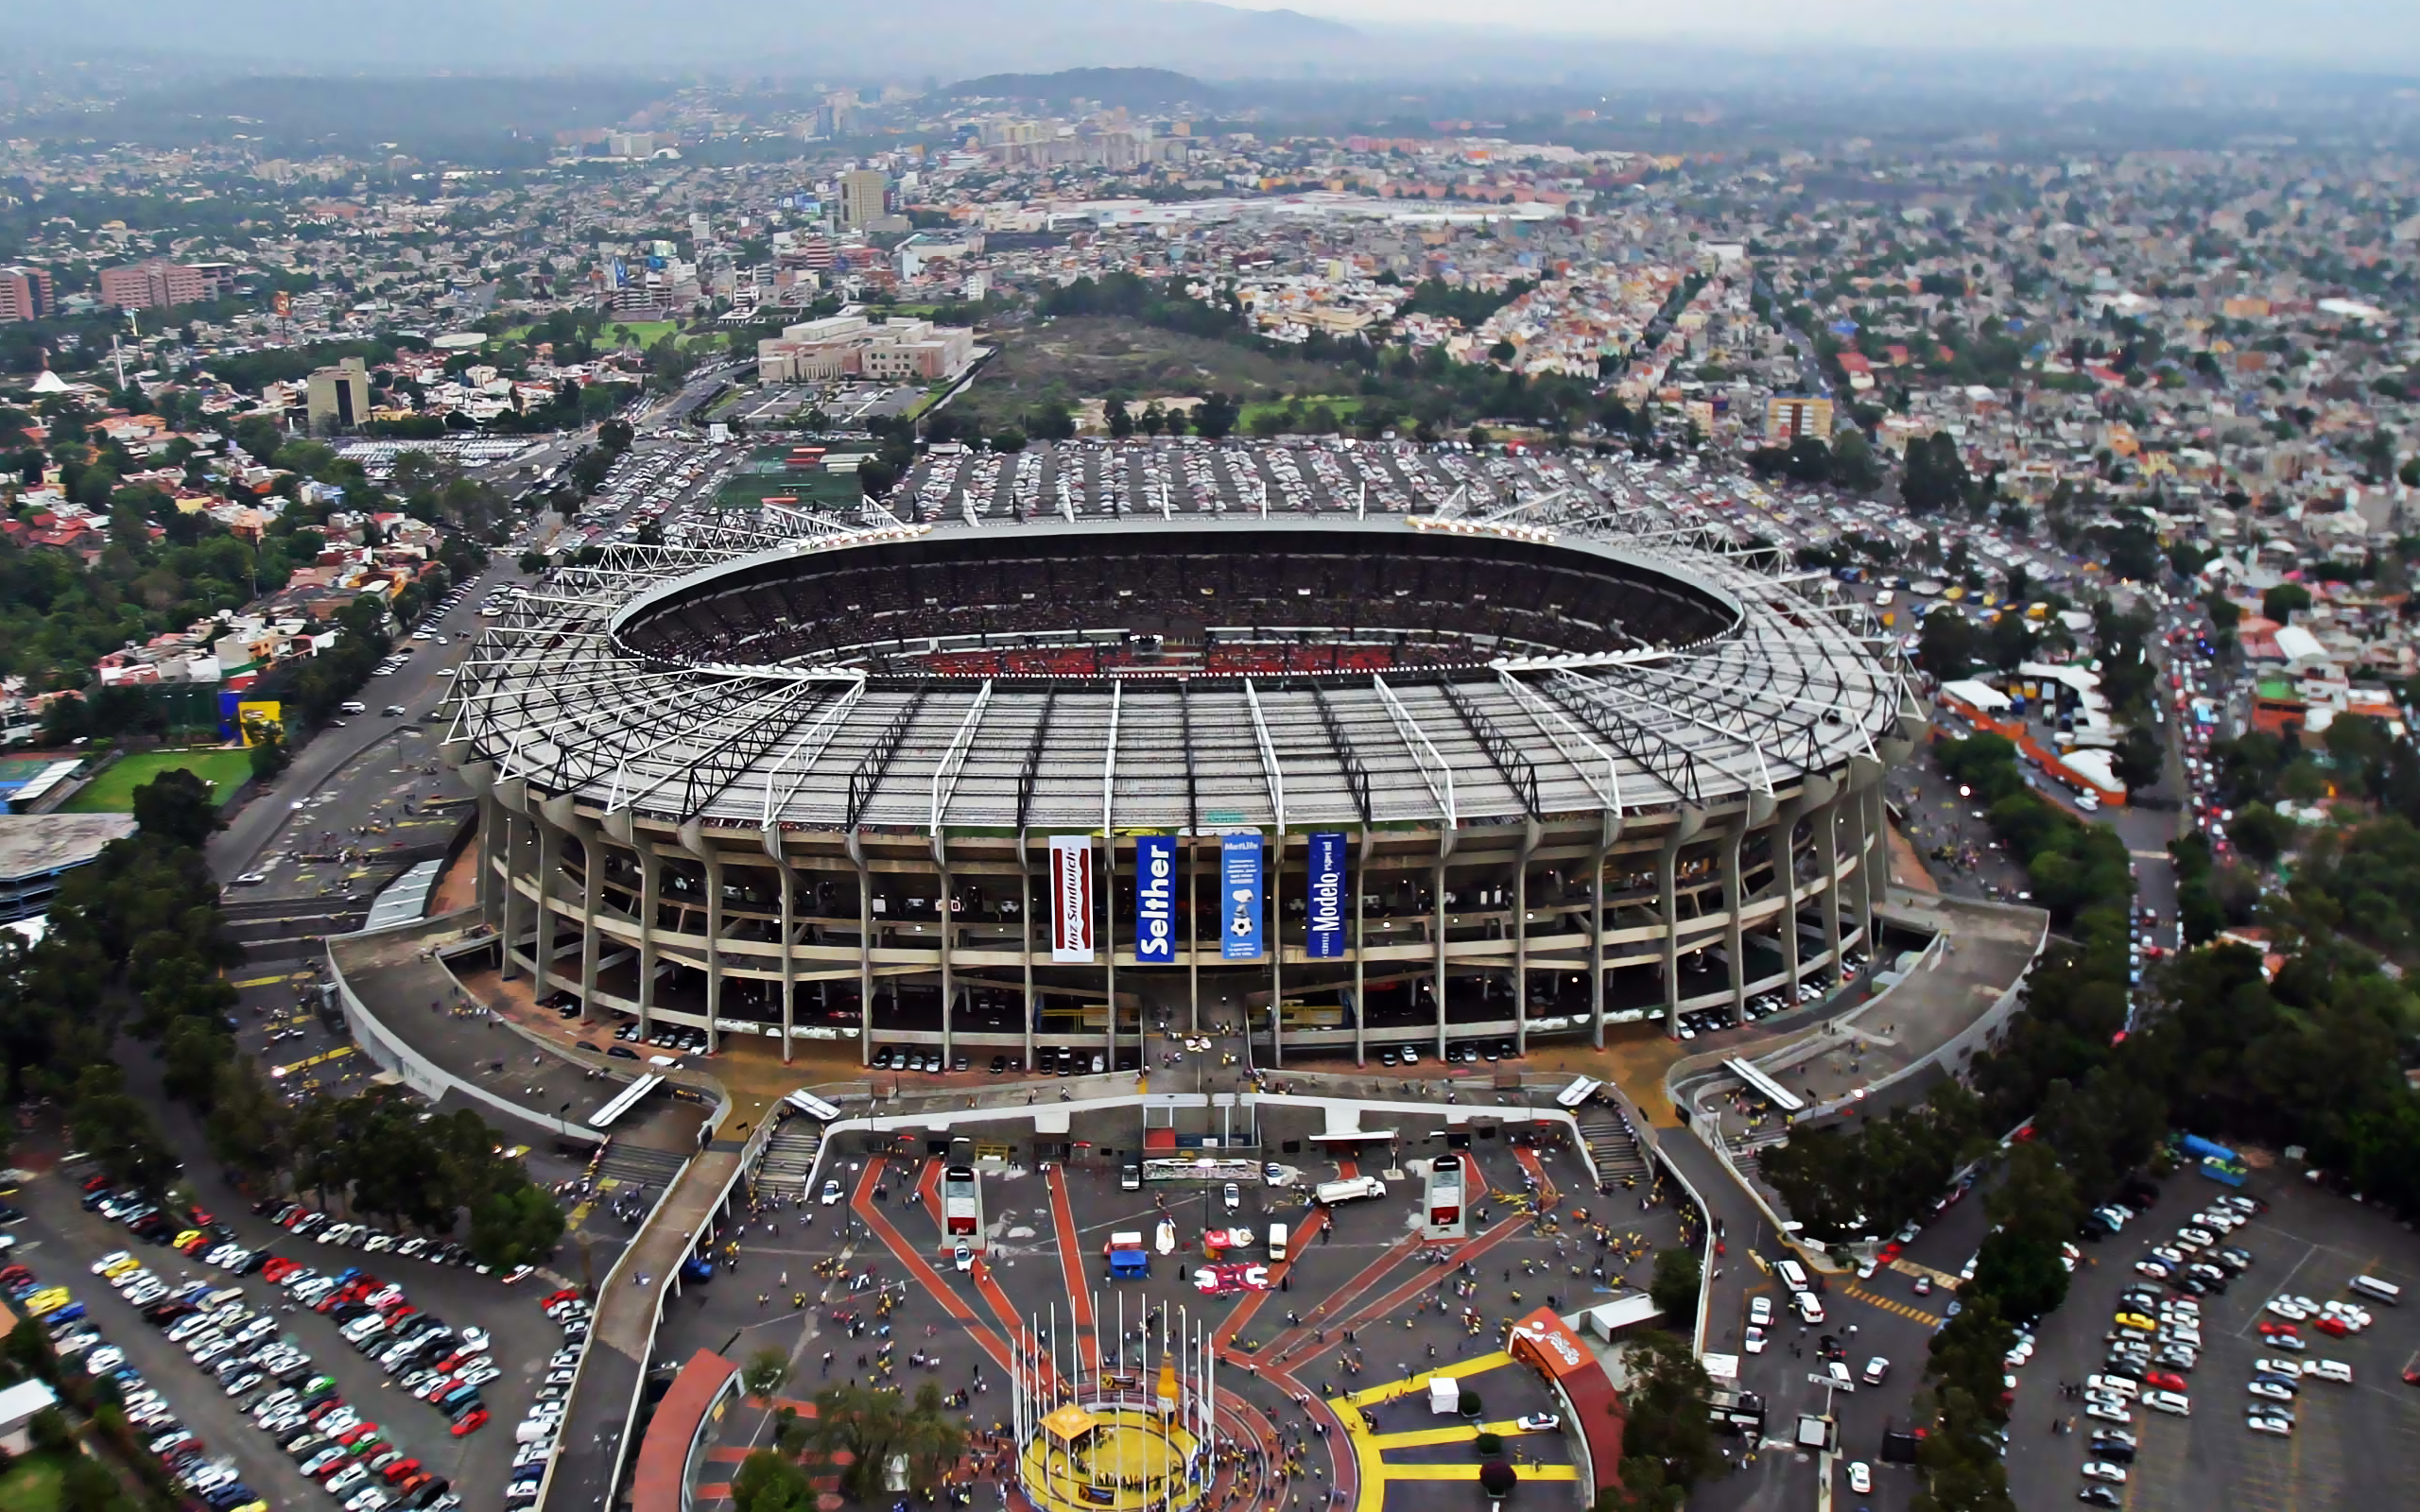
{"points": [[1815, 792], [1446, 839], [1275, 927], [1733, 940], [941, 870], [864, 951], [1360, 998], [787, 880], [1609, 828], [693, 839], [517, 865], [1828, 833], [1193, 930], [1686, 824], [495, 855], [1521, 937], [541, 946], [561, 816], [651, 919]]}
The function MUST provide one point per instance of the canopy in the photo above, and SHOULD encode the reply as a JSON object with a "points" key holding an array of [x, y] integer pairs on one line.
{"points": [[1069, 1423]]}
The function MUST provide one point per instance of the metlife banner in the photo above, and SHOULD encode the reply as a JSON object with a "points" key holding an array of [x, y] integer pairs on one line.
{"points": [[1239, 896], [1325, 936], [1156, 900], [1071, 898]]}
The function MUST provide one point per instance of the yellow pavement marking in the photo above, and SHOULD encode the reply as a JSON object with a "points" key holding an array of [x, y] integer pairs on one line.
{"points": [[1401, 1388], [1940, 1277], [1931, 1321], [1470, 1473], [260, 981], [1458, 1432], [322, 1058]]}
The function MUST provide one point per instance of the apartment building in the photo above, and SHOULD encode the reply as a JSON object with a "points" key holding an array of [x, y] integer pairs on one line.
{"points": [[26, 294], [158, 284]]}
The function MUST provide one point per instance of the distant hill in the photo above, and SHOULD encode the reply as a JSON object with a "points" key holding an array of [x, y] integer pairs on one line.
{"points": [[1134, 88]]}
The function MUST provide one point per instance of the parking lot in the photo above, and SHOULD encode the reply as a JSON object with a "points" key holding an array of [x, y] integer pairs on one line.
{"points": [[2351, 1445]]}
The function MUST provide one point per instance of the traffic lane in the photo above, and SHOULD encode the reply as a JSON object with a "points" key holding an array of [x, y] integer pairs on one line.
{"points": [[58, 1241]]}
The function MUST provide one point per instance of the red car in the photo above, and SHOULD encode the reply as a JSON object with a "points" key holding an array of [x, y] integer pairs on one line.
{"points": [[356, 1434], [472, 1422], [2330, 1325], [438, 1388], [565, 1296], [2272, 1329], [2164, 1381], [395, 1472], [95, 1183]]}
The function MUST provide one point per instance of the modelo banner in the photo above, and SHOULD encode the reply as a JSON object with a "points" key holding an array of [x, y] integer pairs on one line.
{"points": [[1071, 898], [1156, 900], [1239, 896], [1326, 934]]}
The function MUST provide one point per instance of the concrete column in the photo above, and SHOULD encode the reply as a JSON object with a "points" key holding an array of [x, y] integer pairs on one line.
{"points": [[1816, 791], [1735, 943], [550, 858], [787, 879], [650, 920], [1191, 851], [1828, 827], [1109, 948], [1025, 937], [865, 953], [560, 813], [1608, 829], [495, 854], [1274, 861], [1686, 824], [1360, 1000], [1874, 869], [693, 839], [941, 873], [1436, 927], [1521, 938], [516, 908]]}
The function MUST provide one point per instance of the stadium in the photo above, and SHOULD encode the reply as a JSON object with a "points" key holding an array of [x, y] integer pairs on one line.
{"points": [[1365, 747]]}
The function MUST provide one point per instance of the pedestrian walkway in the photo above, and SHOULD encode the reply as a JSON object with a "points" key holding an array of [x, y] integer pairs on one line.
{"points": [[1612, 1147], [1887, 1304], [789, 1159]]}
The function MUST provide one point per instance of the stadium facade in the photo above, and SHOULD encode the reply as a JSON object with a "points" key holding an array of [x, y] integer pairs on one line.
{"points": [[1055, 754]]}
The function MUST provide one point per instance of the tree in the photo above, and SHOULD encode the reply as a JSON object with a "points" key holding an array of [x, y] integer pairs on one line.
{"points": [[765, 1373], [1010, 439], [176, 807], [1216, 415], [118, 1131], [270, 754], [518, 1225], [767, 1481], [1665, 1410], [1947, 647], [533, 563], [1121, 424], [2282, 599], [1674, 1288], [874, 1424]]}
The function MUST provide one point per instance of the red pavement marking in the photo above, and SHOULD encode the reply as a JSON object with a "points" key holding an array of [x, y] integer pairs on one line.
{"points": [[715, 1491], [1395, 1255], [1548, 1194], [804, 1409], [1071, 1264], [1301, 1239], [728, 1451], [919, 1268]]}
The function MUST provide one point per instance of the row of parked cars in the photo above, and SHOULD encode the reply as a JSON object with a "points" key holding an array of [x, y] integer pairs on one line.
{"points": [[2196, 1261], [214, 1484], [307, 1223], [534, 1440]]}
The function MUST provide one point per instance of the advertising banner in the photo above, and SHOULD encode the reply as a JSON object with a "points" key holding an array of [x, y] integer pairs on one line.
{"points": [[1327, 884], [1239, 901], [1071, 898], [1156, 900]]}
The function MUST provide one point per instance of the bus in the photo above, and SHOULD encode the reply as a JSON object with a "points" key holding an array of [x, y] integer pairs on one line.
{"points": [[961, 1211]]}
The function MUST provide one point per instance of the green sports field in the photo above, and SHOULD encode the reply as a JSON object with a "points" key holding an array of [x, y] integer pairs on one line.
{"points": [[112, 792]]}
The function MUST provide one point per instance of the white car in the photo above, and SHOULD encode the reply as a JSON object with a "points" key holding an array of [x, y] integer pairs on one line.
{"points": [[2102, 1469], [2334, 1370], [475, 1339], [963, 1257], [2271, 1390], [2167, 1402], [1538, 1422], [1861, 1477], [1760, 1310], [831, 1192], [2259, 1423], [2102, 1412], [2279, 1367], [1231, 1195], [1754, 1341]]}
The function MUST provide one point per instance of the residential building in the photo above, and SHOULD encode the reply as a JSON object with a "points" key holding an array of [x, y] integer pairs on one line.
{"points": [[865, 195], [338, 397], [158, 284], [1788, 417], [26, 293]]}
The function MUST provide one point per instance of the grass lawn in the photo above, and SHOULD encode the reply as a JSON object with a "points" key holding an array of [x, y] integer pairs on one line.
{"points": [[1345, 406], [32, 1485], [113, 791]]}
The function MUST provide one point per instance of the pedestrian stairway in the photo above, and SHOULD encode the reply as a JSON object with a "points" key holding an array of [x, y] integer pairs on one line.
{"points": [[1612, 1147], [625, 1166], [789, 1157]]}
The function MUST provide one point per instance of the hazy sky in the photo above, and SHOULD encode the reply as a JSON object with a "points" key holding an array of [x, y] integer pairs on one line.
{"points": [[2361, 34]]}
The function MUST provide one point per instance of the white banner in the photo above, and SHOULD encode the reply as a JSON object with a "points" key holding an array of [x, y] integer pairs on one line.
{"points": [[1071, 898]]}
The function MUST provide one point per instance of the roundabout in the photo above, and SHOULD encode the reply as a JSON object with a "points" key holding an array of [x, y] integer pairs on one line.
{"points": [[1112, 1456]]}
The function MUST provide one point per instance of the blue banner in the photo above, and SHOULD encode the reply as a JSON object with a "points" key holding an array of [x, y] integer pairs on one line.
{"points": [[1156, 900], [1325, 937], [1239, 900]]}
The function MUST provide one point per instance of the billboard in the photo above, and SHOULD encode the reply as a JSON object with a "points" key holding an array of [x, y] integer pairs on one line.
{"points": [[1239, 899], [1071, 898], [1324, 935], [1156, 900], [255, 721]]}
